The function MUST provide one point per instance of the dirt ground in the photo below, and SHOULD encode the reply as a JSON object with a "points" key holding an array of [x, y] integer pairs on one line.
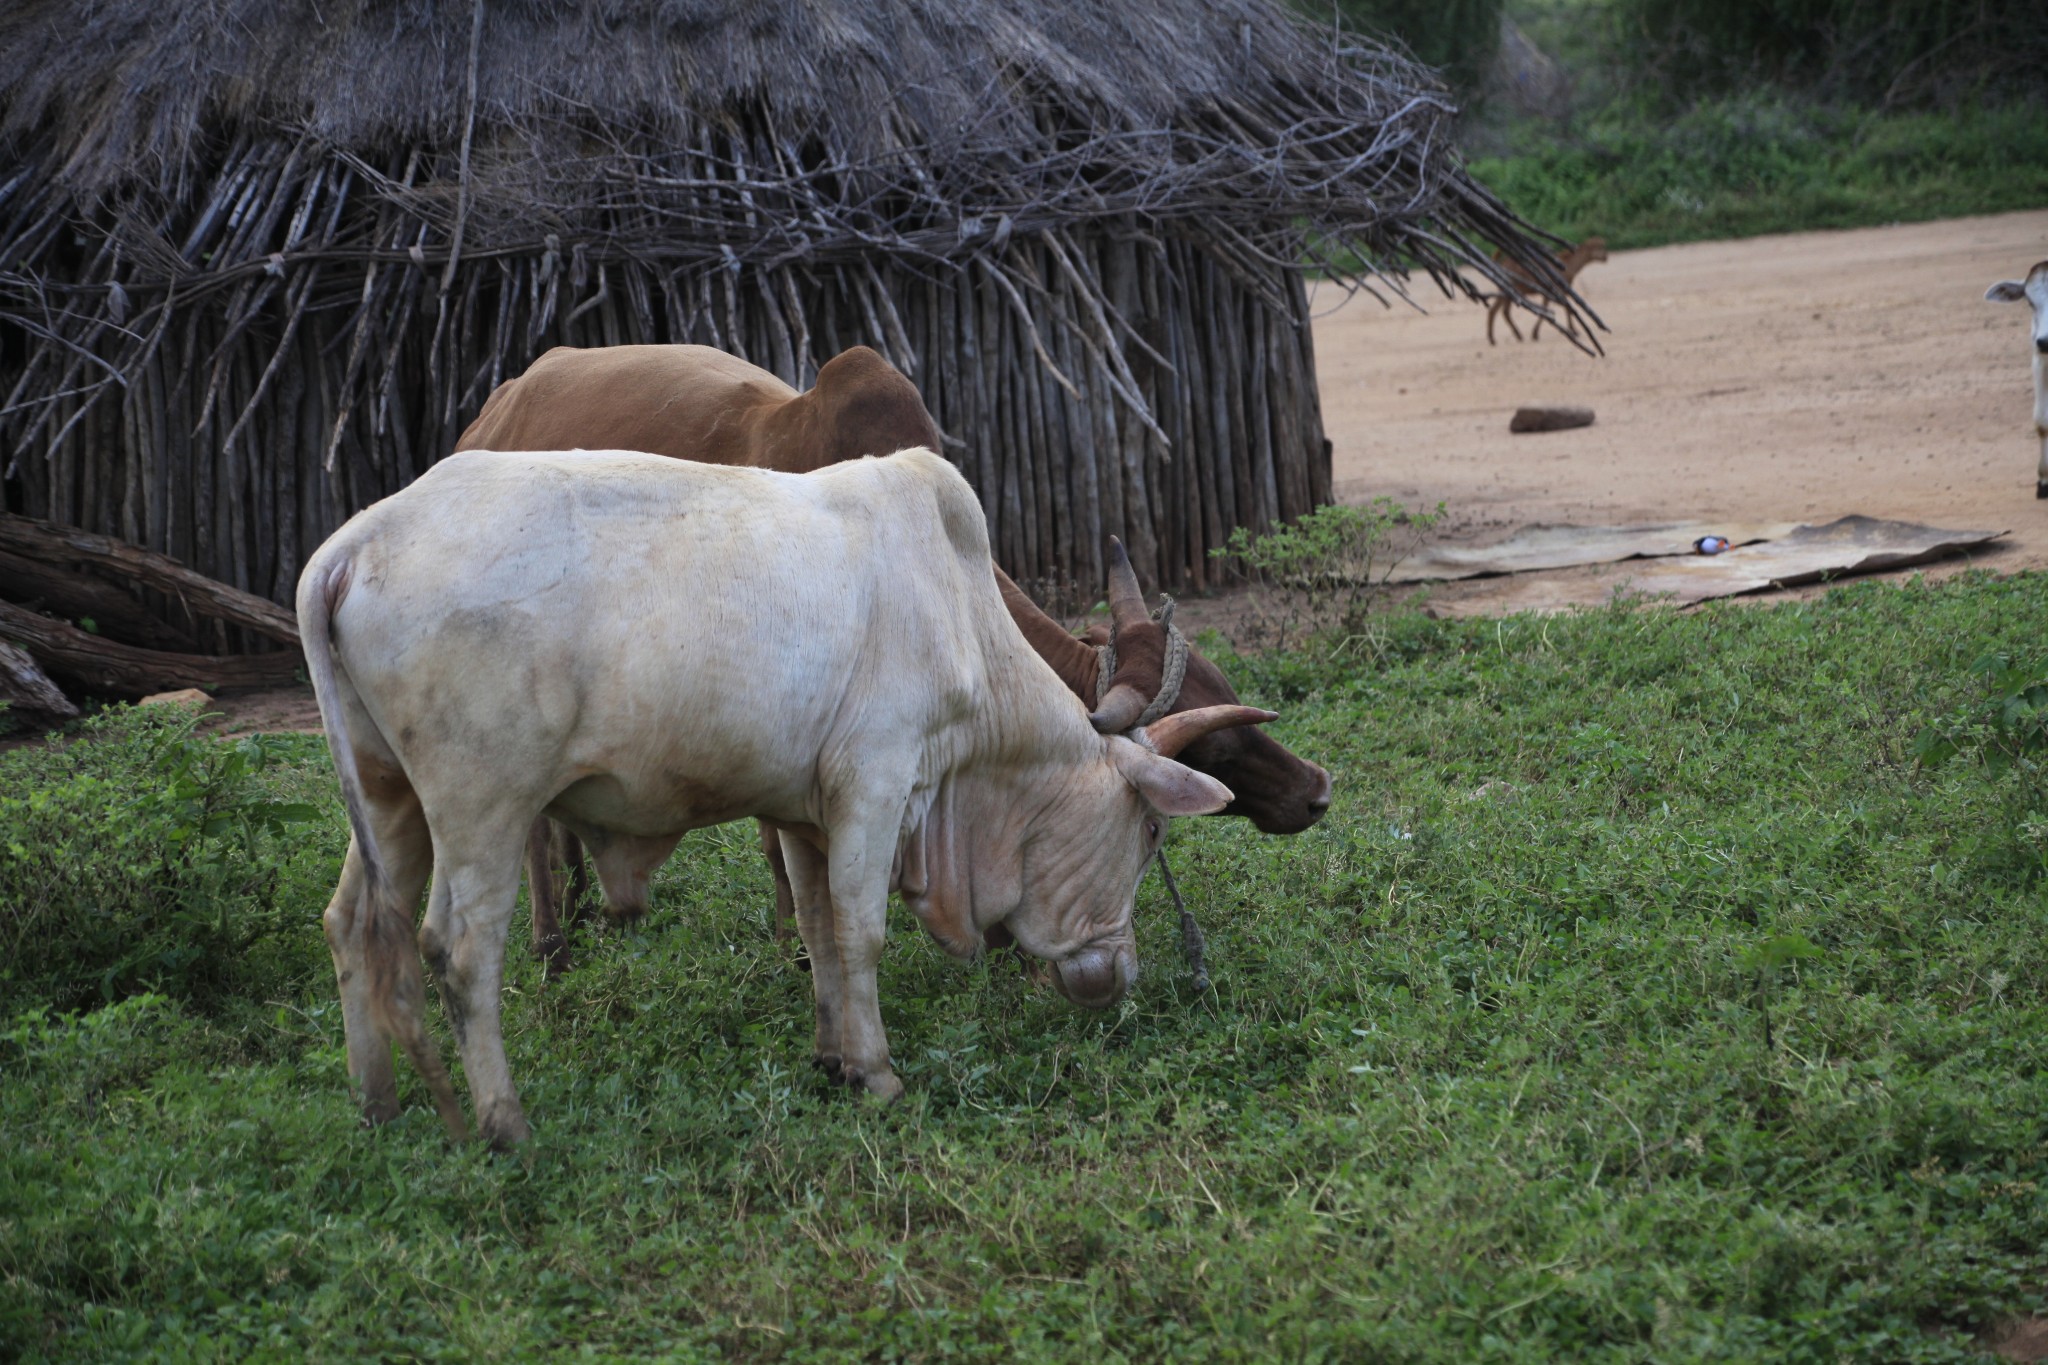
{"points": [[1795, 378]]}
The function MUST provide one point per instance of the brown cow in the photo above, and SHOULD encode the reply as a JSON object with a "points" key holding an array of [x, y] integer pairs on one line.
{"points": [[699, 403]]}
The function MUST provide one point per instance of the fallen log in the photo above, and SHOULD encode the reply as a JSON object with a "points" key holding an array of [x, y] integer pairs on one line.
{"points": [[50, 543], [78, 596], [113, 669], [1550, 419], [28, 690]]}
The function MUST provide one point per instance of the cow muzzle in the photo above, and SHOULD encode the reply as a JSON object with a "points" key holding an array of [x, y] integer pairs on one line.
{"points": [[1096, 978], [1288, 812]]}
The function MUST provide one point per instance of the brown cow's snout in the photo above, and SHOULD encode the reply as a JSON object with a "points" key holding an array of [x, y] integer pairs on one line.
{"points": [[1292, 812], [1319, 799], [1095, 978]]}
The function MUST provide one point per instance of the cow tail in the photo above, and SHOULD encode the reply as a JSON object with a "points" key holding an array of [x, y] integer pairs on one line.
{"points": [[388, 950]]}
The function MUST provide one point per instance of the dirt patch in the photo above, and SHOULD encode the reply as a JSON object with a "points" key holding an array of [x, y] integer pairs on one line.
{"points": [[2020, 1339], [1791, 378], [269, 711], [275, 710]]}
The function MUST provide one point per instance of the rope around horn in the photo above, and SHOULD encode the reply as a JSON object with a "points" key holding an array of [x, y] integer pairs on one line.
{"points": [[1193, 946], [1171, 677]]}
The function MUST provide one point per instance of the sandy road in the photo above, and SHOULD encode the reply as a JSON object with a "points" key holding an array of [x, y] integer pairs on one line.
{"points": [[1799, 377]]}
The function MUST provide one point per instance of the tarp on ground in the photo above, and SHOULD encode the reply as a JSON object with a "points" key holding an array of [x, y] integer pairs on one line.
{"points": [[1561, 547], [1806, 554]]}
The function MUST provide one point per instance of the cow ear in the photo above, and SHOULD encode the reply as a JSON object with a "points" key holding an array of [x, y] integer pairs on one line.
{"points": [[1172, 788], [2005, 291]]}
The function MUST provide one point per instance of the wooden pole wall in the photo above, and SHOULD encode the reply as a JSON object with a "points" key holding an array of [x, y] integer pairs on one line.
{"points": [[238, 448]]}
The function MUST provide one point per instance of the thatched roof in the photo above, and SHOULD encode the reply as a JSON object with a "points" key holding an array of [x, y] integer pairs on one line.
{"points": [[700, 132], [279, 226]]}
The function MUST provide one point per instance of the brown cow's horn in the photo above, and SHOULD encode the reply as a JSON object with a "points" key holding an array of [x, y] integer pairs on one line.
{"points": [[1119, 710], [1170, 734], [1126, 598]]}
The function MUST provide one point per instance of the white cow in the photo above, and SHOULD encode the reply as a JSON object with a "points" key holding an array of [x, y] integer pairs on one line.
{"points": [[2034, 290], [639, 646]]}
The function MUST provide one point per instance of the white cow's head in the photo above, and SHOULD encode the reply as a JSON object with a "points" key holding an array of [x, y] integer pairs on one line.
{"points": [[1050, 855], [2034, 291]]}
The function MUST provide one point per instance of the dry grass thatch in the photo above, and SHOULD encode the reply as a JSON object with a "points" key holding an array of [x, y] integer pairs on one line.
{"points": [[260, 260]]}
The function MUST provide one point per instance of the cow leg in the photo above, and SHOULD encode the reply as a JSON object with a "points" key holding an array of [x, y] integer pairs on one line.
{"points": [[1507, 315], [550, 944], [350, 943], [376, 964], [784, 923], [568, 854], [858, 868], [476, 888], [2041, 469], [811, 904]]}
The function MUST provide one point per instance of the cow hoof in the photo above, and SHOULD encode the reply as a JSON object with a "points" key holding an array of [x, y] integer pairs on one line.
{"points": [[882, 1087], [504, 1131], [377, 1113], [2041, 488], [828, 1063], [555, 959]]}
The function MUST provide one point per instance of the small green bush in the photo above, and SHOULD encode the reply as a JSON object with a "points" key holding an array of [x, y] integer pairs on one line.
{"points": [[2004, 732], [2008, 727], [145, 856], [1323, 570]]}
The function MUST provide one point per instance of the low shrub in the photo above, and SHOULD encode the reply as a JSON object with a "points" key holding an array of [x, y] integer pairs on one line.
{"points": [[1323, 571], [145, 856]]}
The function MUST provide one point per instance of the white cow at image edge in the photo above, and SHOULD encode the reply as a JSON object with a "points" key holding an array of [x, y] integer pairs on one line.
{"points": [[2033, 291], [639, 646]]}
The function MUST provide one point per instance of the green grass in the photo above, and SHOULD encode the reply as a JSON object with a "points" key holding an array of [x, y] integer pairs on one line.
{"points": [[1744, 166], [1485, 1078]]}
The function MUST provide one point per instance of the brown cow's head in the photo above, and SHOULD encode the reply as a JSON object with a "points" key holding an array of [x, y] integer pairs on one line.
{"points": [[1276, 791]]}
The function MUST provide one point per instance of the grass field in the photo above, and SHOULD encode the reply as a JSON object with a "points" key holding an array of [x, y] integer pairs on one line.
{"points": [[1743, 166], [1640, 999]]}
